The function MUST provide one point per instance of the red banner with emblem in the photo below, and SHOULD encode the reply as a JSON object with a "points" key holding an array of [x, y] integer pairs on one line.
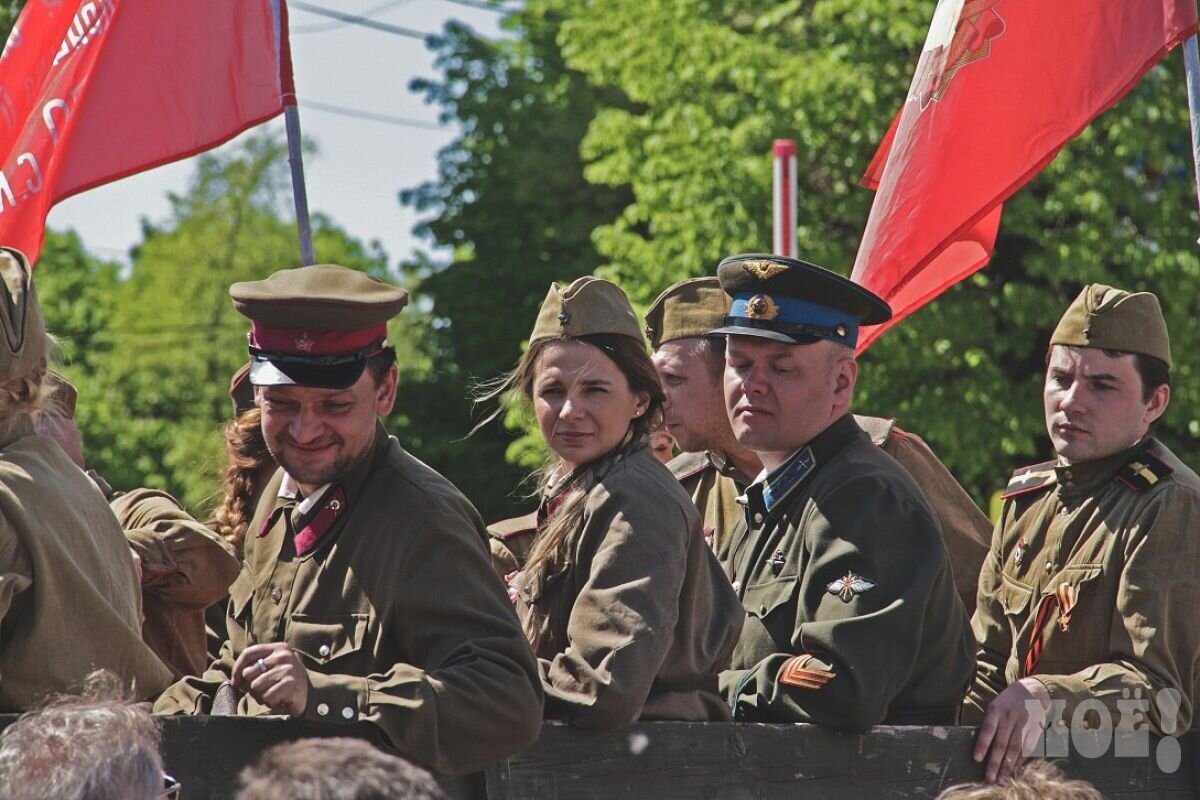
{"points": [[1000, 87], [94, 90]]}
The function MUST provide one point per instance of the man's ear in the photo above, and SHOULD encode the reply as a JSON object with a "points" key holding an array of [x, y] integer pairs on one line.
{"points": [[385, 392]]}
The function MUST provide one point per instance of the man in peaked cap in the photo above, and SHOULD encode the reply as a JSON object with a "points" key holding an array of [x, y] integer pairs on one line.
{"points": [[715, 469], [69, 599], [1095, 552], [852, 617], [366, 593]]}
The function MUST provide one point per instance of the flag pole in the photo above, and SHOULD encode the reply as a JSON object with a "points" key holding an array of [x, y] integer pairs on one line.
{"points": [[1191, 60], [291, 117]]}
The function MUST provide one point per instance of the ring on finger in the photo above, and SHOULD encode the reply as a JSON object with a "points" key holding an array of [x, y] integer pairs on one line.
{"points": [[262, 667]]}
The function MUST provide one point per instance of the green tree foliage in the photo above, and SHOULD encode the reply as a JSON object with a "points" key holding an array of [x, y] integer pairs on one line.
{"points": [[513, 210], [152, 352], [709, 84]]}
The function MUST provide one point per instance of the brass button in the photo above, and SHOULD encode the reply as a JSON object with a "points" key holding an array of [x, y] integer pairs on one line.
{"points": [[323, 651], [348, 713], [322, 710], [277, 594], [1049, 566], [758, 518]]}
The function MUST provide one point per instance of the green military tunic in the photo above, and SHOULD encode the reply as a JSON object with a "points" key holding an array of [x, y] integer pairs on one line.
{"points": [[69, 599], [852, 617], [640, 621], [394, 612], [185, 569], [715, 484], [1091, 584]]}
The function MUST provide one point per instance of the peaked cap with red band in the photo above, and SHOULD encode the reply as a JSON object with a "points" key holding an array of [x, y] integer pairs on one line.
{"points": [[315, 326]]}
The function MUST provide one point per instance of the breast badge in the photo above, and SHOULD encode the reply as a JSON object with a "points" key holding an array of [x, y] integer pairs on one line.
{"points": [[845, 588]]}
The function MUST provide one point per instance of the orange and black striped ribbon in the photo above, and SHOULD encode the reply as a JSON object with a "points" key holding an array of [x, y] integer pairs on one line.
{"points": [[1045, 609]]}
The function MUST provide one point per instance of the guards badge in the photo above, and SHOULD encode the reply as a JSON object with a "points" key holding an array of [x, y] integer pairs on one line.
{"points": [[845, 588], [304, 343]]}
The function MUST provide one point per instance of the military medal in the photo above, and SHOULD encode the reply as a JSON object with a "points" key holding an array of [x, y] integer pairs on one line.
{"points": [[847, 587], [1019, 553]]}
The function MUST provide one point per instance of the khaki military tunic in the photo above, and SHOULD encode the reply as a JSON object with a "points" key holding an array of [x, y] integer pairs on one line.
{"points": [[715, 484], [395, 613], [966, 530], [640, 620], [852, 618], [1095, 568], [185, 569], [69, 599]]}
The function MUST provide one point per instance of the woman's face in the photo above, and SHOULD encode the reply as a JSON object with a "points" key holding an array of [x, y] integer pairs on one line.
{"points": [[582, 401]]}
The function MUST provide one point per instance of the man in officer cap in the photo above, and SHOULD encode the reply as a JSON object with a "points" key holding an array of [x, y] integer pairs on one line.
{"points": [[1095, 553], [852, 618], [366, 592], [715, 469]]}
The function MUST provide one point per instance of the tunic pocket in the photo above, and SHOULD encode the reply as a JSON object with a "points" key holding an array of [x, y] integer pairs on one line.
{"points": [[1014, 597], [322, 639], [763, 598]]}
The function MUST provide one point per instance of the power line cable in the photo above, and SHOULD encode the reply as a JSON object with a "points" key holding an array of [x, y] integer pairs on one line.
{"points": [[355, 19], [371, 115], [322, 27], [481, 5]]}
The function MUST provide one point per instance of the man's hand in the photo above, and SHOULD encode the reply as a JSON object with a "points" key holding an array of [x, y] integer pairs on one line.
{"points": [[1011, 727], [274, 676]]}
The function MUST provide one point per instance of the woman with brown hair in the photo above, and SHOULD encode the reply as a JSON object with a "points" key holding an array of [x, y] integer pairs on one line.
{"points": [[250, 464], [626, 609]]}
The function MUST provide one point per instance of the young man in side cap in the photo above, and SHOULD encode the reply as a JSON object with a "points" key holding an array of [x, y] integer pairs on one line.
{"points": [[366, 592], [715, 469], [1093, 573], [852, 617]]}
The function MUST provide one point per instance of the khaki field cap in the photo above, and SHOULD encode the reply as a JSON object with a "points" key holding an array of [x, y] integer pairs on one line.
{"points": [[316, 326], [24, 345], [686, 310], [1112, 319], [588, 306]]}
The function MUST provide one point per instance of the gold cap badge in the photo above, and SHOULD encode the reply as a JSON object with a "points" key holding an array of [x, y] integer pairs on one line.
{"points": [[763, 269], [761, 306]]}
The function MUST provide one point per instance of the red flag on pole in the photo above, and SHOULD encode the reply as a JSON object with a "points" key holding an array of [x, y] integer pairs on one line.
{"points": [[94, 90], [1000, 87]]}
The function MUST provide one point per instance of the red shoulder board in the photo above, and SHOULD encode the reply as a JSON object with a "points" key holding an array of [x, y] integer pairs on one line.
{"points": [[506, 528], [688, 465], [1144, 471], [1030, 479]]}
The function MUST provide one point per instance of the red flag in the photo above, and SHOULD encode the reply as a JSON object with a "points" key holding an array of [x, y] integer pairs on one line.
{"points": [[94, 90], [1000, 87]]}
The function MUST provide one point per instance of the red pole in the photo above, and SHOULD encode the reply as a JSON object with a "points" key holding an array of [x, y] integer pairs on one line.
{"points": [[785, 197]]}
